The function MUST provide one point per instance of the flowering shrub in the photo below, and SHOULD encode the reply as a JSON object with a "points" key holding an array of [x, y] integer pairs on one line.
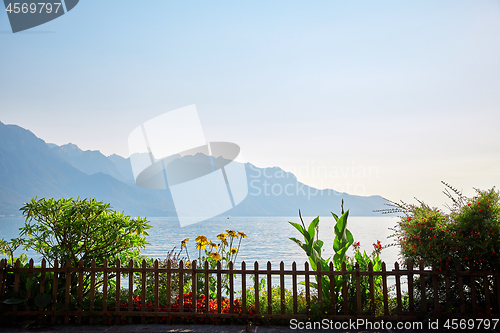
{"points": [[467, 236]]}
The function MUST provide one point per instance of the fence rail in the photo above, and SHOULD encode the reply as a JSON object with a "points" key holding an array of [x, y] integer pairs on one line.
{"points": [[171, 291]]}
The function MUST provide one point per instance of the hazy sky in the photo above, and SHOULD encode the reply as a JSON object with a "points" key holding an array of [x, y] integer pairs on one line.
{"points": [[367, 97]]}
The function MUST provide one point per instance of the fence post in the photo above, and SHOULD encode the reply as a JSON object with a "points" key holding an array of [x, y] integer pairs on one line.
{"points": [[219, 287], [243, 287], [105, 289], [194, 289], [435, 289], [169, 288], [143, 293], [398, 288], [54, 291], [156, 290], [130, 287], [30, 276], [282, 287], [207, 290], [67, 291], [358, 290], [269, 289], [17, 265], [256, 272], [473, 290], [333, 295], [80, 291], [409, 266], [3, 277], [372, 287], [308, 294], [447, 286], [319, 281], [423, 296], [42, 286], [181, 286], [231, 288], [294, 286], [345, 302], [486, 290], [384, 289], [118, 304]]}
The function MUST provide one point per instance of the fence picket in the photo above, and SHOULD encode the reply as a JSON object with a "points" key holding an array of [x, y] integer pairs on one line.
{"points": [[372, 287], [423, 296], [143, 294], [256, 272], [80, 292], [243, 287], [398, 288], [333, 295], [194, 288], [269, 289], [461, 289], [42, 287], [308, 294], [294, 286], [319, 281], [282, 287], [384, 289], [231, 288], [54, 290], [67, 291], [345, 304], [409, 265], [30, 276], [117, 294], [486, 289]]}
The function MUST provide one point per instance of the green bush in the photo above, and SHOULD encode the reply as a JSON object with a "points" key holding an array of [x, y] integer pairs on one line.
{"points": [[69, 230], [468, 235]]}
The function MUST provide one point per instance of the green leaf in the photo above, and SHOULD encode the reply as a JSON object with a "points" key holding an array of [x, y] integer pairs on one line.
{"points": [[14, 300], [298, 227], [42, 300], [312, 227]]}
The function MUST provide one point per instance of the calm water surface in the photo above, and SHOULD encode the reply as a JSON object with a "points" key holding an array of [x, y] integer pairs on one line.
{"points": [[267, 237]]}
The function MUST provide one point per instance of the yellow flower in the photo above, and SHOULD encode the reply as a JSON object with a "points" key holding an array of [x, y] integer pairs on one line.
{"points": [[215, 256], [188, 264], [241, 234], [221, 236], [201, 239], [233, 250], [231, 233], [225, 242], [212, 244], [183, 243], [201, 245]]}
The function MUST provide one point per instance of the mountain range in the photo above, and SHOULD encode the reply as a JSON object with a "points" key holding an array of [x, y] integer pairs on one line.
{"points": [[31, 167]]}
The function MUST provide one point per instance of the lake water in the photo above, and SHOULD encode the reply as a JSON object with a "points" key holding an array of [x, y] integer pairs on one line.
{"points": [[267, 237]]}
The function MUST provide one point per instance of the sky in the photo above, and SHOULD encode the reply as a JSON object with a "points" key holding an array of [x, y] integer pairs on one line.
{"points": [[365, 97]]}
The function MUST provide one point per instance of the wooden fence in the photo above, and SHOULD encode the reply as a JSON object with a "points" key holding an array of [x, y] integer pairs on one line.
{"points": [[129, 293]]}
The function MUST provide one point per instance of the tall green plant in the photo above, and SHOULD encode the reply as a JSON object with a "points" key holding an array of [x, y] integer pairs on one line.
{"points": [[341, 244]]}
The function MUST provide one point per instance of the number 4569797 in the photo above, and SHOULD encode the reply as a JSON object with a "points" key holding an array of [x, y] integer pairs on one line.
{"points": [[41, 7]]}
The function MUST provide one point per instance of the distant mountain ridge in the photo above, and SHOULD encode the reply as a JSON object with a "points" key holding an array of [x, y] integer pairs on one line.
{"points": [[30, 167]]}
